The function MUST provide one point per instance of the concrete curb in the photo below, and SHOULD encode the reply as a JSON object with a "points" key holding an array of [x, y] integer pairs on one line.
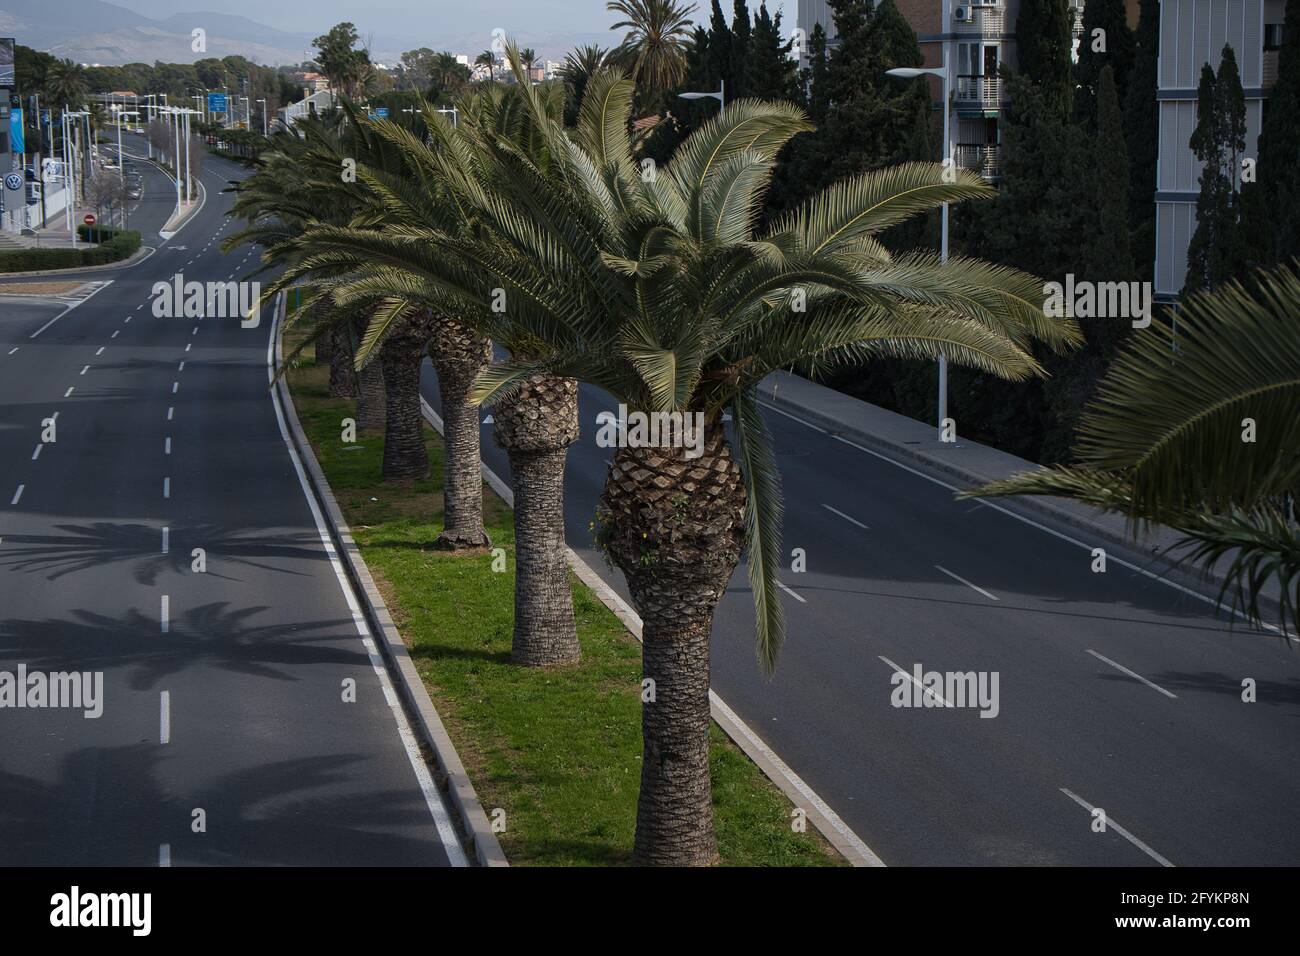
{"points": [[449, 772], [827, 821]]}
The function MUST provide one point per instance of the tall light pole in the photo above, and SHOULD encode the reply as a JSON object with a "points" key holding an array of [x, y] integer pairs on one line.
{"points": [[720, 96], [945, 82]]}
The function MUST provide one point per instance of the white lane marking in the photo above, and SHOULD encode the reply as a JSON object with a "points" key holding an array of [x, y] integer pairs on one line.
{"points": [[194, 331], [187, 346], [166, 533], [933, 694], [164, 854], [432, 796], [846, 517], [13, 350], [17, 494], [69, 391], [167, 487], [791, 593], [37, 453], [167, 445], [170, 409], [958, 577], [68, 309], [1112, 825], [139, 307], [165, 717], [164, 614], [127, 320], [1029, 521], [83, 371], [100, 352], [181, 368], [175, 386], [1133, 674], [115, 333]]}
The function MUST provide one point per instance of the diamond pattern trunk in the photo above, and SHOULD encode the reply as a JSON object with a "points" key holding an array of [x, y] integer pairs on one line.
{"points": [[459, 355], [405, 455]]}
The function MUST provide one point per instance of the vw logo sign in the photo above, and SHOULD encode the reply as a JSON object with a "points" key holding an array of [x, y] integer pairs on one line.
{"points": [[14, 181]]}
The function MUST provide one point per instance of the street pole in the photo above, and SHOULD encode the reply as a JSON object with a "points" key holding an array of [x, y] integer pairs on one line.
{"points": [[188, 170], [176, 158], [943, 243]]}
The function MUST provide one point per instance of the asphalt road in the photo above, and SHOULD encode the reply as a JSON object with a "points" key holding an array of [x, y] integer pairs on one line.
{"points": [[225, 737], [1117, 691]]}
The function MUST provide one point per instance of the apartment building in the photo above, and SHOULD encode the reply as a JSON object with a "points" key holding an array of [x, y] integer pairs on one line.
{"points": [[1193, 33]]}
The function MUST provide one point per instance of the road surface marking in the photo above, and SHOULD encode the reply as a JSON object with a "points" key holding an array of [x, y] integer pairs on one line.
{"points": [[164, 614], [1031, 522], [37, 453], [164, 854], [67, 310], [167, 445], [100, 352], [175, 386], [83, 371], [69, 391], [139, 307], [18, 494], [194, 331], [127, 320], [1112, 825], [1133, 674], [846, 517], [165, 533], [13, 350], [935, 695], [187, 346], [181, 368], [957, 577], [170, 409], [791, 593], [165, 717], [167, 487]]}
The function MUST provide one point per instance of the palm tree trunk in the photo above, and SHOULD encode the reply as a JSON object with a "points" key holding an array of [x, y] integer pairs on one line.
{"points": [[405, 455], [343, 379], [536, 428], [676, 530], [459, 356], [372, 404]]}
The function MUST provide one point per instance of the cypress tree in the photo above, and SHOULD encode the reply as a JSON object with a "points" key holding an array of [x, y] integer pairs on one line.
{"points": [[770, 72], [1142, 132], [1106, 40], [1044, 40]]}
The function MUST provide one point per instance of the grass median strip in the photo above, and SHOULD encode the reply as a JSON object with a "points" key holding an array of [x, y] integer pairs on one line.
{"points": [[559, 750]]}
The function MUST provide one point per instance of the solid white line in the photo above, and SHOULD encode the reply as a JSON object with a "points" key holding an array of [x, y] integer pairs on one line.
{"points": [[432, 796], [167, 445], [164, 854], [957, 577], [67, 310], [846, 517], [18, 494], [164, 614], [791, 593], [1112, 825], [37, 453], [1029, 521], [934, 695], [167, 487], [165, 717], [1133, 674], [69, 391], [165, 533]]}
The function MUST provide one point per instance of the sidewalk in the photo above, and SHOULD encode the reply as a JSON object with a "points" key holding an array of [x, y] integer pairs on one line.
{"points": [[969, 464]]}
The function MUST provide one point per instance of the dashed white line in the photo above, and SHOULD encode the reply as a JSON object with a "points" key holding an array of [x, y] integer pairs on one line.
{"points": [[69, 391], [17, 494], [13, 350], [175, 386], [170, 409], [164, 614], [126, 321], [933, 694], [181, 367], [194, 331], [37, 453], [167, 445], [187, 346], [855, 521], [115, 332], [1132, 674], [166, 533], [164, 854], [167, 487], [101, 351], [974, 587], [1112, 825], [139, 307], [791, 593], [83, 371], [164, 717]]}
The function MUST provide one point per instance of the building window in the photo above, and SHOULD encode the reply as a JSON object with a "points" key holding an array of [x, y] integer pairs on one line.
{"points": [[1274, 36]]}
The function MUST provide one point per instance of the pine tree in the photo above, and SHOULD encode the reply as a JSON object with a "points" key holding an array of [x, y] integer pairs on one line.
{"points": [[741, 31], [1217, 250], [1271, 205], [1142, 131], [770, 72], [1106, 40], [1044, 40]]}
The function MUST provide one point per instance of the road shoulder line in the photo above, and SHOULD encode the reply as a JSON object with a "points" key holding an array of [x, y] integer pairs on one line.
{"points": [[847, 843]]}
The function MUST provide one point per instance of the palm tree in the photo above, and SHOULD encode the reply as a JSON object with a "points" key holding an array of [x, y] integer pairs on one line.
{"points": [[662, 292], [655, 45], [489, 59], [1202, 439], [529, 57], [65, 84], [580, 65]]}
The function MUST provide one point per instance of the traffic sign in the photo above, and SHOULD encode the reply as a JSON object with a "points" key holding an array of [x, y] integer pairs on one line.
{"points": [[89, 219], [381, 112], [217, 103], [14, 181]]}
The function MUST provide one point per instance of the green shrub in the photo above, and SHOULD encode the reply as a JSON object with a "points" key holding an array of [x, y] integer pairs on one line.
{"points": [[122, 245]]}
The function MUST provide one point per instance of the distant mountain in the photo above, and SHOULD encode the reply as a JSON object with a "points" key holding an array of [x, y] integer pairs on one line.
{"points": [[95, 31]]}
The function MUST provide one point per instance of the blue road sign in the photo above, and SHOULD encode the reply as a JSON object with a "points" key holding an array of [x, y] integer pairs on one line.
{"points": [[217, 103], [381, 112]]}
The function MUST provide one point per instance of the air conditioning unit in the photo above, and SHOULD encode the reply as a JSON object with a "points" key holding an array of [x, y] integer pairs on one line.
{"points": [[963, 14]]}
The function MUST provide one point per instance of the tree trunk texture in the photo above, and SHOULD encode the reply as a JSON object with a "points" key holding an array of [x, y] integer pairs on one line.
{"points": [[401, 355], [343, 377], [372, 404], [458, 356], [676, 530], [324, 343], [536, 428]]}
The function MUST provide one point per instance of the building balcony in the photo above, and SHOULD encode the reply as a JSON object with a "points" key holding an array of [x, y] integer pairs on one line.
{"points": [[979, 94], [985, 20], [978, 158]]}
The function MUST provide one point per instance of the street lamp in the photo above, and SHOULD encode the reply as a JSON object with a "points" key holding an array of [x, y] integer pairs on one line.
{"points": [[720, 96], [945, 81], [263, 103]]}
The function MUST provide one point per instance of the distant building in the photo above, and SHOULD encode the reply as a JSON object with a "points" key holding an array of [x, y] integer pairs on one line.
{"points": [[315, 82]]}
